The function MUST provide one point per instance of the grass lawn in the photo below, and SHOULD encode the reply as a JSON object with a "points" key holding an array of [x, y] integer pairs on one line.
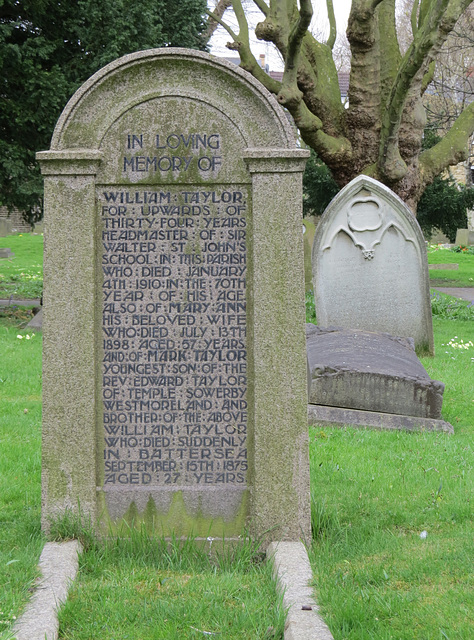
{"points": [[391, 512], [21, 540], [393, 517], [146, 590], [462, 277], [22, 275]]}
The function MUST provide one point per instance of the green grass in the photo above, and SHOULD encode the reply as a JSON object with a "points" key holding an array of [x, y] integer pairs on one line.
{"points": [[463, 277], [374, 493], [20, 466], [150, 590], [22, 275]]}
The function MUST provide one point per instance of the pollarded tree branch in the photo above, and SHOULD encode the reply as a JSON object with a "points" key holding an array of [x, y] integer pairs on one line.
{"points": [[433, 30], [453, 148], [241, 44], [215, 18], [414, 17], [262, 6], [295, 40], [332, 25]]}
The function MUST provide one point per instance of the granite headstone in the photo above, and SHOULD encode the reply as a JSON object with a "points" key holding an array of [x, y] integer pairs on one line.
{"points": [[174, 378]]}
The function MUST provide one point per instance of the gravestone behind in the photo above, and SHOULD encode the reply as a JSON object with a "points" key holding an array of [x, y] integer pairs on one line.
{"points": [[370, 268], [464, 237], [308, 238], [174, 379], [5, 227]]}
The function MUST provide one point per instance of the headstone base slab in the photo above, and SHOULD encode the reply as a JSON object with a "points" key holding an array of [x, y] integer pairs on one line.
{"points": [[324, 415]]}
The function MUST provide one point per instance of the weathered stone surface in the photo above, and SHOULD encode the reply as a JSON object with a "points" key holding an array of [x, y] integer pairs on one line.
{"points": [[6, 253], [58, 567], [320, 415], [369, 371], [162, 339], [370, 268], [292, 571], [5, 228]]}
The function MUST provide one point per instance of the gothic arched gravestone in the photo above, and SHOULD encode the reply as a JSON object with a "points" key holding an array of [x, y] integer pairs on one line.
{"points": [[370, 268]]}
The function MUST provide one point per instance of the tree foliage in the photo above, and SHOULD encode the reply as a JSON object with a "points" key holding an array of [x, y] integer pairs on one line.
{"points": [[444, 206], [319, 187], [444, 203], [48, 48], [380, 132]]}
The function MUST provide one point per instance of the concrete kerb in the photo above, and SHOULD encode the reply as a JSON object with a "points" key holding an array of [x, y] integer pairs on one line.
{"points": [[292, 572], [58, 565]]}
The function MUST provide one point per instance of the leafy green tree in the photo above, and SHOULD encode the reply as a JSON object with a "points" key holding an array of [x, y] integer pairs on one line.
{"points": [[319, 187], [444, 206], [444, 203], [48, 48]]}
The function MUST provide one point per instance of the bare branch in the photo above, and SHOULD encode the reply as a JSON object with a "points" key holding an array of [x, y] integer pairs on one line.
{"points": [[452, 148], [262, 6], [428, 77], [242, 21], [332, 25], [241, 44], [294, 43], [413, 17], [217, 20], [215, 17]]}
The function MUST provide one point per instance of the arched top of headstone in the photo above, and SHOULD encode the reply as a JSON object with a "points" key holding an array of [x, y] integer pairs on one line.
{"points": [[176, 73], [365, 210]]}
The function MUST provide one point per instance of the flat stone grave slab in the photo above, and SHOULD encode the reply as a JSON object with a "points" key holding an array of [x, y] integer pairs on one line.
{"points": [[443, 267], [369, 371]]}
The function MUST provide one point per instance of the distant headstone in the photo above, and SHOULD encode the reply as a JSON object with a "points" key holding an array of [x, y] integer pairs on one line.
{"points": [[38, 227], [370, 268], [36, 321], [174, 386], [5, 227], [464, 237], [6, 252]]}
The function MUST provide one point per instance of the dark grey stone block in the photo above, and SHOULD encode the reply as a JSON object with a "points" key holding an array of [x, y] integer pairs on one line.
{"points": [[369, 371]]}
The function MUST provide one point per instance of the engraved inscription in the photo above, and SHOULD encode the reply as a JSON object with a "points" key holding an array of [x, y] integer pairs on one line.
{"points": [[174, 367], [173, 152]]}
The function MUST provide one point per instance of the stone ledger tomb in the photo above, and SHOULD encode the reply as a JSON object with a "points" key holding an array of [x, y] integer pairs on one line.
{"points": [[174, 345], [370, 268], [370, 379]]}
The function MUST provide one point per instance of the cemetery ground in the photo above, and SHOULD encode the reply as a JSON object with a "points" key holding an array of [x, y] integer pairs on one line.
{"points": [[391, 513]]}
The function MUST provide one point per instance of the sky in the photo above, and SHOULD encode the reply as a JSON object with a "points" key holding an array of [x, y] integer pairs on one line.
{"points": [[319, 24]]}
